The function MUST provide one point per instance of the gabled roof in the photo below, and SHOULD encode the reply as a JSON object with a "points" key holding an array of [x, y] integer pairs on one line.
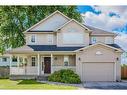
{"points": [[97, 31], [112, 46], [75, 22], [46, 19]]}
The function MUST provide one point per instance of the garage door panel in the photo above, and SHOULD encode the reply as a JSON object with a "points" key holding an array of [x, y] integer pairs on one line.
{"points": [[98, 71]]}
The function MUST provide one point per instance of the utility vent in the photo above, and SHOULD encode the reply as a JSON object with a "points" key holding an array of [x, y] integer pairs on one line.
{"points": [[98, 53]]}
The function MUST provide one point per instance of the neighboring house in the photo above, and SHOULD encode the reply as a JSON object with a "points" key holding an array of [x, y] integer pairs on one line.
{"points": [[58, 42], [5, 60]]}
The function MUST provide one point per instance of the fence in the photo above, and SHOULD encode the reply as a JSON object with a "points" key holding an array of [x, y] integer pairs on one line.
{"points": [[4, 71], [124, 72]]}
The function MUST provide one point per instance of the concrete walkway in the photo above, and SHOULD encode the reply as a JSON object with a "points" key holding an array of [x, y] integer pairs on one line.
{"points": [[105, 85], [94, 85]]}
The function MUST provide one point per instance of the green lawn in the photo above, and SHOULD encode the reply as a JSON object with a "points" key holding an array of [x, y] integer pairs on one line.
{"points": [[30, 84]]}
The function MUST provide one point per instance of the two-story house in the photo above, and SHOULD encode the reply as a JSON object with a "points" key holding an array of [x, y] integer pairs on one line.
{"points": [[58, 42]]}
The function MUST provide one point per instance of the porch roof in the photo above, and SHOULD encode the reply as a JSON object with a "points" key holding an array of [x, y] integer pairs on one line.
{"points": [[52, 48], [32, 48], [55, 48]]}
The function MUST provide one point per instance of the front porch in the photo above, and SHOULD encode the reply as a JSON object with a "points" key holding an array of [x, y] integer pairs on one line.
{"points": [[41, 64]]}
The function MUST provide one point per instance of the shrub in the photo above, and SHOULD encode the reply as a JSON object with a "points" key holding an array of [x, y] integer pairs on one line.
{"points": [[64, 76]]}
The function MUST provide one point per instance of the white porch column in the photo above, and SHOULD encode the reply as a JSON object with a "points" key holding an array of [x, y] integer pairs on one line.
{"points": [[18, 61], [38, 58], [51, 63], [23, 60], [10, 63]]}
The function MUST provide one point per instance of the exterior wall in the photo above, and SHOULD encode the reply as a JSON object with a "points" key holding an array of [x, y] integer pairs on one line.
{"points": [[89, 55], [60, 60], [118, 67], [33, 70], [51, 23], [72, 26], [103, 39], [41, 39]]}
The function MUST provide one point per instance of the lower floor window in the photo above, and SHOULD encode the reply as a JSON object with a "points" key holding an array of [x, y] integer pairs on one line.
{"points": [[66, 60], [33, 59], [4, 59], [14, 59]]}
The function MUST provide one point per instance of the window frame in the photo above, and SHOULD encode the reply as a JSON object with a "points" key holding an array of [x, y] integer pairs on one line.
{"points": [[93, 40], [50, 39], [66, 56], [3, 60], [32, 61], [33, 37], [14, 60]]}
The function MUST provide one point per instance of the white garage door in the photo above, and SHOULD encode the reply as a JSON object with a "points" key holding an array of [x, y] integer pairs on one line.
{"points": [[98, 71]]}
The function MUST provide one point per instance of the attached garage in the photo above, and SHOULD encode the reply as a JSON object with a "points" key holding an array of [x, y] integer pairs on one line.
{"points": [[98, 62], [93, 71]]}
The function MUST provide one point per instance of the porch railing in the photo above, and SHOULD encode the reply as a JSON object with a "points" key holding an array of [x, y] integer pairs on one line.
{"points": [[23, 70]]}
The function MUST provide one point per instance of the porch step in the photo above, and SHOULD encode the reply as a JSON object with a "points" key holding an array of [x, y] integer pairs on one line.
{"points": [[42, 78]]}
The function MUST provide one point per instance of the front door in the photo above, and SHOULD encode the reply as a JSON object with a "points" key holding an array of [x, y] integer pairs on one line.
{"points": [[47, 65]]}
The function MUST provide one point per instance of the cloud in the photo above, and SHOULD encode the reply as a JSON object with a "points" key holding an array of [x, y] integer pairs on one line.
{"points": [[122, 40], [103, 21], [108, 9], [106, 22]]}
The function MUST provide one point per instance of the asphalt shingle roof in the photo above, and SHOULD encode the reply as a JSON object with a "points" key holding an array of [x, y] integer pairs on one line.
{"points": [[55, 48], [98, 31], [52, 48]]}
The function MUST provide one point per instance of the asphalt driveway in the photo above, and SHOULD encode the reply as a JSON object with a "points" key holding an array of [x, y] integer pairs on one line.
{"points": [[105, 85]]}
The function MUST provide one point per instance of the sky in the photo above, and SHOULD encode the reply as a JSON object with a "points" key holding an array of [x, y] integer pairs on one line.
{"points": [[109, 18]]}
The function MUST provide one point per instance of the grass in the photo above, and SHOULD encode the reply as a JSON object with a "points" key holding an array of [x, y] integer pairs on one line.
{"points": [[31, 84]]}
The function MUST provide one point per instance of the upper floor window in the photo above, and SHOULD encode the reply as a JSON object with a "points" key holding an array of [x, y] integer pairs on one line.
{"points": [[50, 38], [33, 60], [93, 40], [66, 60], [33, 38], [108, 40], [4, 59]]}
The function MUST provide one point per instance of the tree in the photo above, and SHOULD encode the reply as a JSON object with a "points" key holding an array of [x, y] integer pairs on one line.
{"points": [[16, 19]]}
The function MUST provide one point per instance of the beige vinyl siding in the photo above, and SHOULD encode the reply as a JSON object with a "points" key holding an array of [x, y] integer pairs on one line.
{"points": [[103, 39], [75, 29], [41, 39], [51, 23], [58, 60], [89, 56]]}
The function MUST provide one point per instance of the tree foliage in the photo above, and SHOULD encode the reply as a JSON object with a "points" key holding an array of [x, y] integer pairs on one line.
{"points": [[16, 19]]}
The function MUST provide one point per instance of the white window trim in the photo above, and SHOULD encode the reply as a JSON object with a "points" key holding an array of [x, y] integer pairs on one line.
{"points": [[68, 60], [35, 60], [93, 42], [31, 38], [6, 59], [50, 36]]}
